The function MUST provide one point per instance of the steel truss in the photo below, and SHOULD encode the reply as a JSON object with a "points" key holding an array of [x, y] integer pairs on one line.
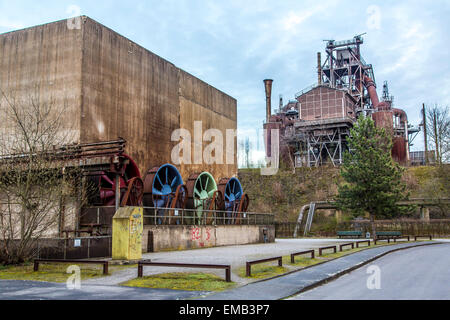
{"points": [[344, 68], [326, 146]]}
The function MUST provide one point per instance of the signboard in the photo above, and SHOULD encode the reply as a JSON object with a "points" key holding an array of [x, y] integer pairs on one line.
{"points": [[77, 243]]}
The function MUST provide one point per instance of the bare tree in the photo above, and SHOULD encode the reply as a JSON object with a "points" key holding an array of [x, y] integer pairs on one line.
{"points": [[438, 124], [35, 180], [247, 148]]}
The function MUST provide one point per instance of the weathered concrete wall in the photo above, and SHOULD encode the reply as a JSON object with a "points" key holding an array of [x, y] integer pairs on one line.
{"points": [[167, 238], [114, 88], [43, 65], [130, 92], [201, 102]]}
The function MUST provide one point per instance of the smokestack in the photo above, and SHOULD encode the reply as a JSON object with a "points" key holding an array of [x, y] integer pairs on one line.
{"points": [[319, 68], [268, 86]]}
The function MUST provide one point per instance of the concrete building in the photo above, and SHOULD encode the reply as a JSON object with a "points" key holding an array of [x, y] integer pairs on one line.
{"points": [[111, 87]]}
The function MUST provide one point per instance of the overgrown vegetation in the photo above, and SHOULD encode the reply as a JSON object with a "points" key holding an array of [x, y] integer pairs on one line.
{"points": [[182, 281], [35, 181], [372, 180], [438, 131], [286, 192], [48, 272]]}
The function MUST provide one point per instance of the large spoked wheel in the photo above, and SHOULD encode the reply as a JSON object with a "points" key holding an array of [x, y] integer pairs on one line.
{"points": [[215, 204], [201, 193], [231, 189], [242, 209], [163, 191], [135, 192], [178, 204], [102, 184]]}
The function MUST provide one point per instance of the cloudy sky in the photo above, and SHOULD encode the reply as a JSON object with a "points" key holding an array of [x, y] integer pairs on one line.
{"points": [[234, 45]]}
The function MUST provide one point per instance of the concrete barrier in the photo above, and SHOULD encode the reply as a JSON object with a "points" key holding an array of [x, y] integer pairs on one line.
{"points": [[172, 237]]}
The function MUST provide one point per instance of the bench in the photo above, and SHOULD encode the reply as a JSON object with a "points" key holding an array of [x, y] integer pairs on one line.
{"points": [[353, 234], [388, 234], [352, 244], [143, 263], [248, 265], [300, 253], [424, 236], [326, 248], [102, 262]]}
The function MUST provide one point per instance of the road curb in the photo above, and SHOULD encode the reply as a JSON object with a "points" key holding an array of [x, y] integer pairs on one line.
{"points": [[348, 270]]}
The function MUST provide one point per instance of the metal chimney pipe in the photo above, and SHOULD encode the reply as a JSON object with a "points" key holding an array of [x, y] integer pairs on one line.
{"points": [[372, 89], [319, 68], [268, 86]]}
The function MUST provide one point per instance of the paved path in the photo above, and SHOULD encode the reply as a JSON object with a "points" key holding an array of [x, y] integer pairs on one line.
{"points": [[33, 290], [415, 274], [291, 284], [236, 256], [273, 289]]}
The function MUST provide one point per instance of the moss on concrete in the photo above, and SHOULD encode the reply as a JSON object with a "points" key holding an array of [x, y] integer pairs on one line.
{"points": [[182, 281], [262, 271]]}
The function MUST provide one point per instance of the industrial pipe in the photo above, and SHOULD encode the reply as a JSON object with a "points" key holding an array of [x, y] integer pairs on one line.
{"points": [[319, 68], [372, 89], [268, 86]]}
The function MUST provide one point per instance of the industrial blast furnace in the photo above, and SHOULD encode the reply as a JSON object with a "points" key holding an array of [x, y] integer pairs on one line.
{"points": [[315, 126]]}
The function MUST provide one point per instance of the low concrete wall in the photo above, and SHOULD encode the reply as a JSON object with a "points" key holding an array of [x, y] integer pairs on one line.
{"points": [[167, 238]]}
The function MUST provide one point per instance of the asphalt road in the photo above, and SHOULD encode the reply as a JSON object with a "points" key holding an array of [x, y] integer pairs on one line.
{"points": [[421, 273], [33, 290]]}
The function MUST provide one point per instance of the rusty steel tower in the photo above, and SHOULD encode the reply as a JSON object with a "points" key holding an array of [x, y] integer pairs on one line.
{"points": [[345, 69], [315, 126]]}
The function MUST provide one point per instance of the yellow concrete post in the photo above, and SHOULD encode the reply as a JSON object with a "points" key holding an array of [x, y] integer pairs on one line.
{"points": [[127, 233]]}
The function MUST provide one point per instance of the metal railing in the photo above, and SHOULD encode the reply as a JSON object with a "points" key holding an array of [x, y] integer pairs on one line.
{"points": [[168, 216], [161, 216]]}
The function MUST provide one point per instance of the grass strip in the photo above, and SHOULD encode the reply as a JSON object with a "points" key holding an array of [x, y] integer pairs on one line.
{"points": [[182, 281]]}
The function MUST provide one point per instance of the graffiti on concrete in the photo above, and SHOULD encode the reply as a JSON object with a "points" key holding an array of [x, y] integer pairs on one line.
{"points": [[202, 236]]}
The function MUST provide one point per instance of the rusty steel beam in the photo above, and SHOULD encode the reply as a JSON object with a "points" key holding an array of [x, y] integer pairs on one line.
{"points": [[141, 265], [341, 247], [248, 265], [38, 261], [301, 253], [326, 248]]}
